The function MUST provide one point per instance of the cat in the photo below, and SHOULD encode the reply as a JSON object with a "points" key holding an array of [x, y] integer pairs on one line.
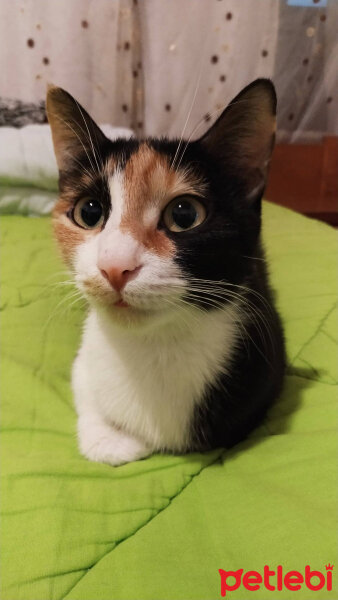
{"points": [[182, 349]]}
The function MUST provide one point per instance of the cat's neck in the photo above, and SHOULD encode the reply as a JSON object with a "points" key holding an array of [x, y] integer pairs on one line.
{"points": [[191, 325]]}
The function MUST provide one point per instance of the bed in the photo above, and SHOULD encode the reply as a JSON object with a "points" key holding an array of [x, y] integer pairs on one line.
{"points": [[161, 528]]}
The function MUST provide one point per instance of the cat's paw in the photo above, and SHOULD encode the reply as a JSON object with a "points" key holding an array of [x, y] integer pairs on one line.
{"points": [[101, 443]]}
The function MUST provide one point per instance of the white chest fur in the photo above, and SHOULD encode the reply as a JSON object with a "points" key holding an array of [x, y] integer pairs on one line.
{"points": [[147, 384]]}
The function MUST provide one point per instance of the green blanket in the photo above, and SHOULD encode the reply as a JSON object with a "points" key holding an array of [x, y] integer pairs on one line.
{"points": [[161, 528]]}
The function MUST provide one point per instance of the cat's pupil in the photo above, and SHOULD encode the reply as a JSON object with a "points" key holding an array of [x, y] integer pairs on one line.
{"points": [[91, 212], [184, 214]]}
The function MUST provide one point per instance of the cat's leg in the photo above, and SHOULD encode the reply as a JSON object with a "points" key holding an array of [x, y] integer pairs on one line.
{"points": [[100, 442]]}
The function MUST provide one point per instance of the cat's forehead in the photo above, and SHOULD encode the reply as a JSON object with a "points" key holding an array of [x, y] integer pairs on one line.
{"points": [[140, 190], [147, 182], [149, 176]]}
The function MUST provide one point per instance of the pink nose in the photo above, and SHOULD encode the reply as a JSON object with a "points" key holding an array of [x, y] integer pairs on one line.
{"points": [[118, 278]]}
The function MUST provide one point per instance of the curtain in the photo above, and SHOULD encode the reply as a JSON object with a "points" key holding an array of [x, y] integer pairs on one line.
{"points": [[168, 67], [89, 47]]}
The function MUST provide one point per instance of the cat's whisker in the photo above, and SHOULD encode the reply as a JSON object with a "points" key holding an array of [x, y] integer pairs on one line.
{"points": [[254, 311], [59, 284], [225, 284], [199, 76], [55, 274], [218, 112], [172, 166], [212, 303], [254, 257], [181, 308], [90, 174], [184, 305], [76, 301], [245, 328], [76, 134], [219, 293], [207, 301], [70, 296], [89, 137], [80, 302]]}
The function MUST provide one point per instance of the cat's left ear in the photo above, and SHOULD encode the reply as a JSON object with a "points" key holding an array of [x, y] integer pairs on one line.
{"points": [[243, 136], [74, 132]]}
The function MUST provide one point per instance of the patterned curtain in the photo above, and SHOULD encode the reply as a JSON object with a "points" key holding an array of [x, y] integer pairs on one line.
{"points": [[89, 47], [164, 67]]}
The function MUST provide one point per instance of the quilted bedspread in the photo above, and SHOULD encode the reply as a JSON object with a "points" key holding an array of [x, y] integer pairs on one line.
{"points": [[161, 528]]}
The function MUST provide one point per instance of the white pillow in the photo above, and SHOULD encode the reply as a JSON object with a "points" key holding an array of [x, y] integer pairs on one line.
{"points": [[27, 156]]}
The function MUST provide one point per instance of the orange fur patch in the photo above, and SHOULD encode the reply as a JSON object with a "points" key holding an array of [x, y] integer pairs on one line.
{"points": [[150, 182], [68, 235]]}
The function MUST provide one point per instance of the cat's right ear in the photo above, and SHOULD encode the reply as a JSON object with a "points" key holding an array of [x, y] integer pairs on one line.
{"points": [[243, 135], [73, 130]]}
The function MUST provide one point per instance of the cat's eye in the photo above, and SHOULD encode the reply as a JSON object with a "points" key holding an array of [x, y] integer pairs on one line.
{"points": [[88, 213], [183, 213]]}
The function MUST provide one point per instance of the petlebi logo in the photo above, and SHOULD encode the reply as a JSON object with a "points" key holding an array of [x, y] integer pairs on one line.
{"points": [[278, 579]]}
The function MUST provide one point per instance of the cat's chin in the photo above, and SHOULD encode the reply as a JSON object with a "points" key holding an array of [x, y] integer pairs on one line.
{"points": [[129, 316]]}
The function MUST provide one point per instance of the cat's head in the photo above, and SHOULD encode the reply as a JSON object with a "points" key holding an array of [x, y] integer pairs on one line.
{"points": [[151, 227]]}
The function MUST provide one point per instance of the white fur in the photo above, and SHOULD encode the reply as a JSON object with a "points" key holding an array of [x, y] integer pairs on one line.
{"points": [[102, 443], [146, 383], [118, 249], [141, 371], [116, 190]]}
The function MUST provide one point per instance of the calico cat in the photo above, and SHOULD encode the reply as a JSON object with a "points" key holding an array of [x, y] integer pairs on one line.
{"points": [[182, 348]]}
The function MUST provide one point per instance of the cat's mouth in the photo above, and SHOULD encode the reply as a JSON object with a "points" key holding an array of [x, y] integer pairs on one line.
{"points": [[120, 303], [143, 301]]}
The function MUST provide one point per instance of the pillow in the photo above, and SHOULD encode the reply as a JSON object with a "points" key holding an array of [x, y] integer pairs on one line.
{"points": [[27, 160]]}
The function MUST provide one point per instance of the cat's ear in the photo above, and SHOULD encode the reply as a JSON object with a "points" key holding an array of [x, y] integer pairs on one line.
{"points": [[244, 134], [73, 130]]}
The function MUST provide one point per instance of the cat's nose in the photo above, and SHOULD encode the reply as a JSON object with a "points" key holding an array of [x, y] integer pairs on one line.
{"points": [[119, 277], [119, 257]]}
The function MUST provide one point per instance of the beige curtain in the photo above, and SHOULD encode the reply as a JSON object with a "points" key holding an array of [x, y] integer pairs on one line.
{"points": [[89, 47], [167, 66]]}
